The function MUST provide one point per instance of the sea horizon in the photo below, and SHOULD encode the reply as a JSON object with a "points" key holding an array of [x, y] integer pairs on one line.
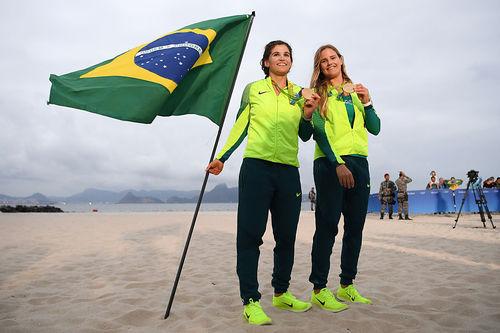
{"points": [[150, 207]]}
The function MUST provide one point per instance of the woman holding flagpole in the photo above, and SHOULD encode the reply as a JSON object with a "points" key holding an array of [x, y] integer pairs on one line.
{"points": [[341, 175], [274, 112]]}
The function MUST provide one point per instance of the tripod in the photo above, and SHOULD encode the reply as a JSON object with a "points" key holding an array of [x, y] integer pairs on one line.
{"points": [[481, 203]]}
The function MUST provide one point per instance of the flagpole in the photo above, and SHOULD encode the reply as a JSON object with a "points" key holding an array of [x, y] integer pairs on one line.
{"points": [[202, 191]]}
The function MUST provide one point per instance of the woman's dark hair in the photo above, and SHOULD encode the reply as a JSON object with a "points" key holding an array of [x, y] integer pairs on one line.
{"points": [[267, 53]]}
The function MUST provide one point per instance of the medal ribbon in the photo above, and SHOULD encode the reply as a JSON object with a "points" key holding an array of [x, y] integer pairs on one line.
{"points": [[292, 98]]}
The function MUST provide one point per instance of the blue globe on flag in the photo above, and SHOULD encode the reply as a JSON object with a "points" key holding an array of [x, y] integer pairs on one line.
{"points": [[172, 56]]}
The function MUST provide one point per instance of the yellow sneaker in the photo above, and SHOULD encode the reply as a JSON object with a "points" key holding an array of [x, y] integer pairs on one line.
{"points": [[254, 315], [350, 294], [287, 301], [325, 300]]}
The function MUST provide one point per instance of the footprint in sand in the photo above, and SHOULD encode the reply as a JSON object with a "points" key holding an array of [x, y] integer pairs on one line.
{"points": [[138, 318]]}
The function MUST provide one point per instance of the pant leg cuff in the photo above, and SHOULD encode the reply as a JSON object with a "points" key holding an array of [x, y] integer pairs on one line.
{"points": [[247, 300], [319, 286], [280, 291], [345, 281]]}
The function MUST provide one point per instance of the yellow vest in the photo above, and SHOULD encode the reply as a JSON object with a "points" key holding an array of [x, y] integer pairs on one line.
{"points": [[344, 139]]}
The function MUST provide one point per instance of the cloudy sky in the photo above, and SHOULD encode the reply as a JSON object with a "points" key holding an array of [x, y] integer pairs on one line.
{"points": [[432, 67]]}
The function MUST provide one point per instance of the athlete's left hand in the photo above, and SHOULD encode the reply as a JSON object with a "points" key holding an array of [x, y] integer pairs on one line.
{"points": [[363, 93], [310, 105], [346, 179]]}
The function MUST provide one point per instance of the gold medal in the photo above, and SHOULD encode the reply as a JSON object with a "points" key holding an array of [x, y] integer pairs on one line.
{"points": [[307, 93], [348, 88]]}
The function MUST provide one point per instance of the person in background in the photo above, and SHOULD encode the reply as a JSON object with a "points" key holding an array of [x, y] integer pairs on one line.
{"points": [[432, 184], [269, 178], [341, 175], [442, 183], [497, 182], [386, 196], [489, 183], [312, 198], [402, 184], [453, 183]]}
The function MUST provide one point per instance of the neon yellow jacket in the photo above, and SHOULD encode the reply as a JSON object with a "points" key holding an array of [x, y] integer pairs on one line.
{"points": [[271, 122], [335, 137]]}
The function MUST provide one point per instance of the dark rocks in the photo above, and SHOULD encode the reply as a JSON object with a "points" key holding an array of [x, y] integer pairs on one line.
{"points": [[30, 209]]}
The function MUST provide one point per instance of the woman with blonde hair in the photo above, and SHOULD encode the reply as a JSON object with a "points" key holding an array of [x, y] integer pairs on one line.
{"points": [[341, 175]]}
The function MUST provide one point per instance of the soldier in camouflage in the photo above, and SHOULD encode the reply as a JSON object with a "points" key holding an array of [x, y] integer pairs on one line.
{"points": [[312, 198], [386, 196], [402, 183]]}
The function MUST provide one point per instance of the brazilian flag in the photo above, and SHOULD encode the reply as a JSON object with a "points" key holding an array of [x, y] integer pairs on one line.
{"points": [[189, 71]]}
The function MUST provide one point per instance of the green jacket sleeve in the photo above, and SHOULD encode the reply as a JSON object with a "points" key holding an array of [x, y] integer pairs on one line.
{"points": [[240, 128], [305, 129], [372, 121], [323, 139]]}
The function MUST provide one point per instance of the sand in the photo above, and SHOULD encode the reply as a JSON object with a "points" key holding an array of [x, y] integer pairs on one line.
{"points": [[113, 272]]}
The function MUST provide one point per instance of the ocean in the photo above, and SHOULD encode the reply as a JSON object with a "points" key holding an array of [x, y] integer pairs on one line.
{"points": [[140, 208]]}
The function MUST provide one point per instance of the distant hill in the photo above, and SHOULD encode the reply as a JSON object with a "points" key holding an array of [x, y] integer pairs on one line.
{"points": [[6, 198], [176, 199], [164, 195], [219, 194], [95, 195], [103, 196], [34, 199], [130, 198]]}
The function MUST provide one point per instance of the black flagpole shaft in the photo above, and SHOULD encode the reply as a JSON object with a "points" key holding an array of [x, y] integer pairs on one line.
{"points": [[193, 222]]}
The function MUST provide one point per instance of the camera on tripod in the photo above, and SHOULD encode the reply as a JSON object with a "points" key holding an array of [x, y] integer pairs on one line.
{"points": [[479, 198], [473, 175]]}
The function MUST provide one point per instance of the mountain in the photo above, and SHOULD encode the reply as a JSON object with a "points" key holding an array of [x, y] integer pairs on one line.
{"points": [[164, 195], [34, 199], [130, 198], [95, 195], [176, 199], [220, 193], [38, 198], [6, 198]]}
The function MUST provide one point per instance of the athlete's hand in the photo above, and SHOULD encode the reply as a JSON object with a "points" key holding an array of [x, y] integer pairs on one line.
{"points": [[345, 176], [310, 105], [215, 167], [363, 93]]}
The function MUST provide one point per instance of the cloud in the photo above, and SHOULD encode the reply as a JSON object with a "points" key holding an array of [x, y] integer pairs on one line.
{"points": [[432, 68]]}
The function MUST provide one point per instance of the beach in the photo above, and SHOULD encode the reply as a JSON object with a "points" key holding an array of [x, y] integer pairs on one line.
{"points": [[113, 272]]}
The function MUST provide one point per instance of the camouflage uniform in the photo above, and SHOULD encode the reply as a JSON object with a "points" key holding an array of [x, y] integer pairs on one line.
{"points": [[386, 195], [312, 198], [402, 183]]}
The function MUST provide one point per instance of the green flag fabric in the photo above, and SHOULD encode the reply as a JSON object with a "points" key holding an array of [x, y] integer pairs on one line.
{"points": [[188, 71]]}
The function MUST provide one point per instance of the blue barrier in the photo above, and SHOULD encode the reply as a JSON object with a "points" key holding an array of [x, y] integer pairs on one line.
{"points": [[440, 201]]}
